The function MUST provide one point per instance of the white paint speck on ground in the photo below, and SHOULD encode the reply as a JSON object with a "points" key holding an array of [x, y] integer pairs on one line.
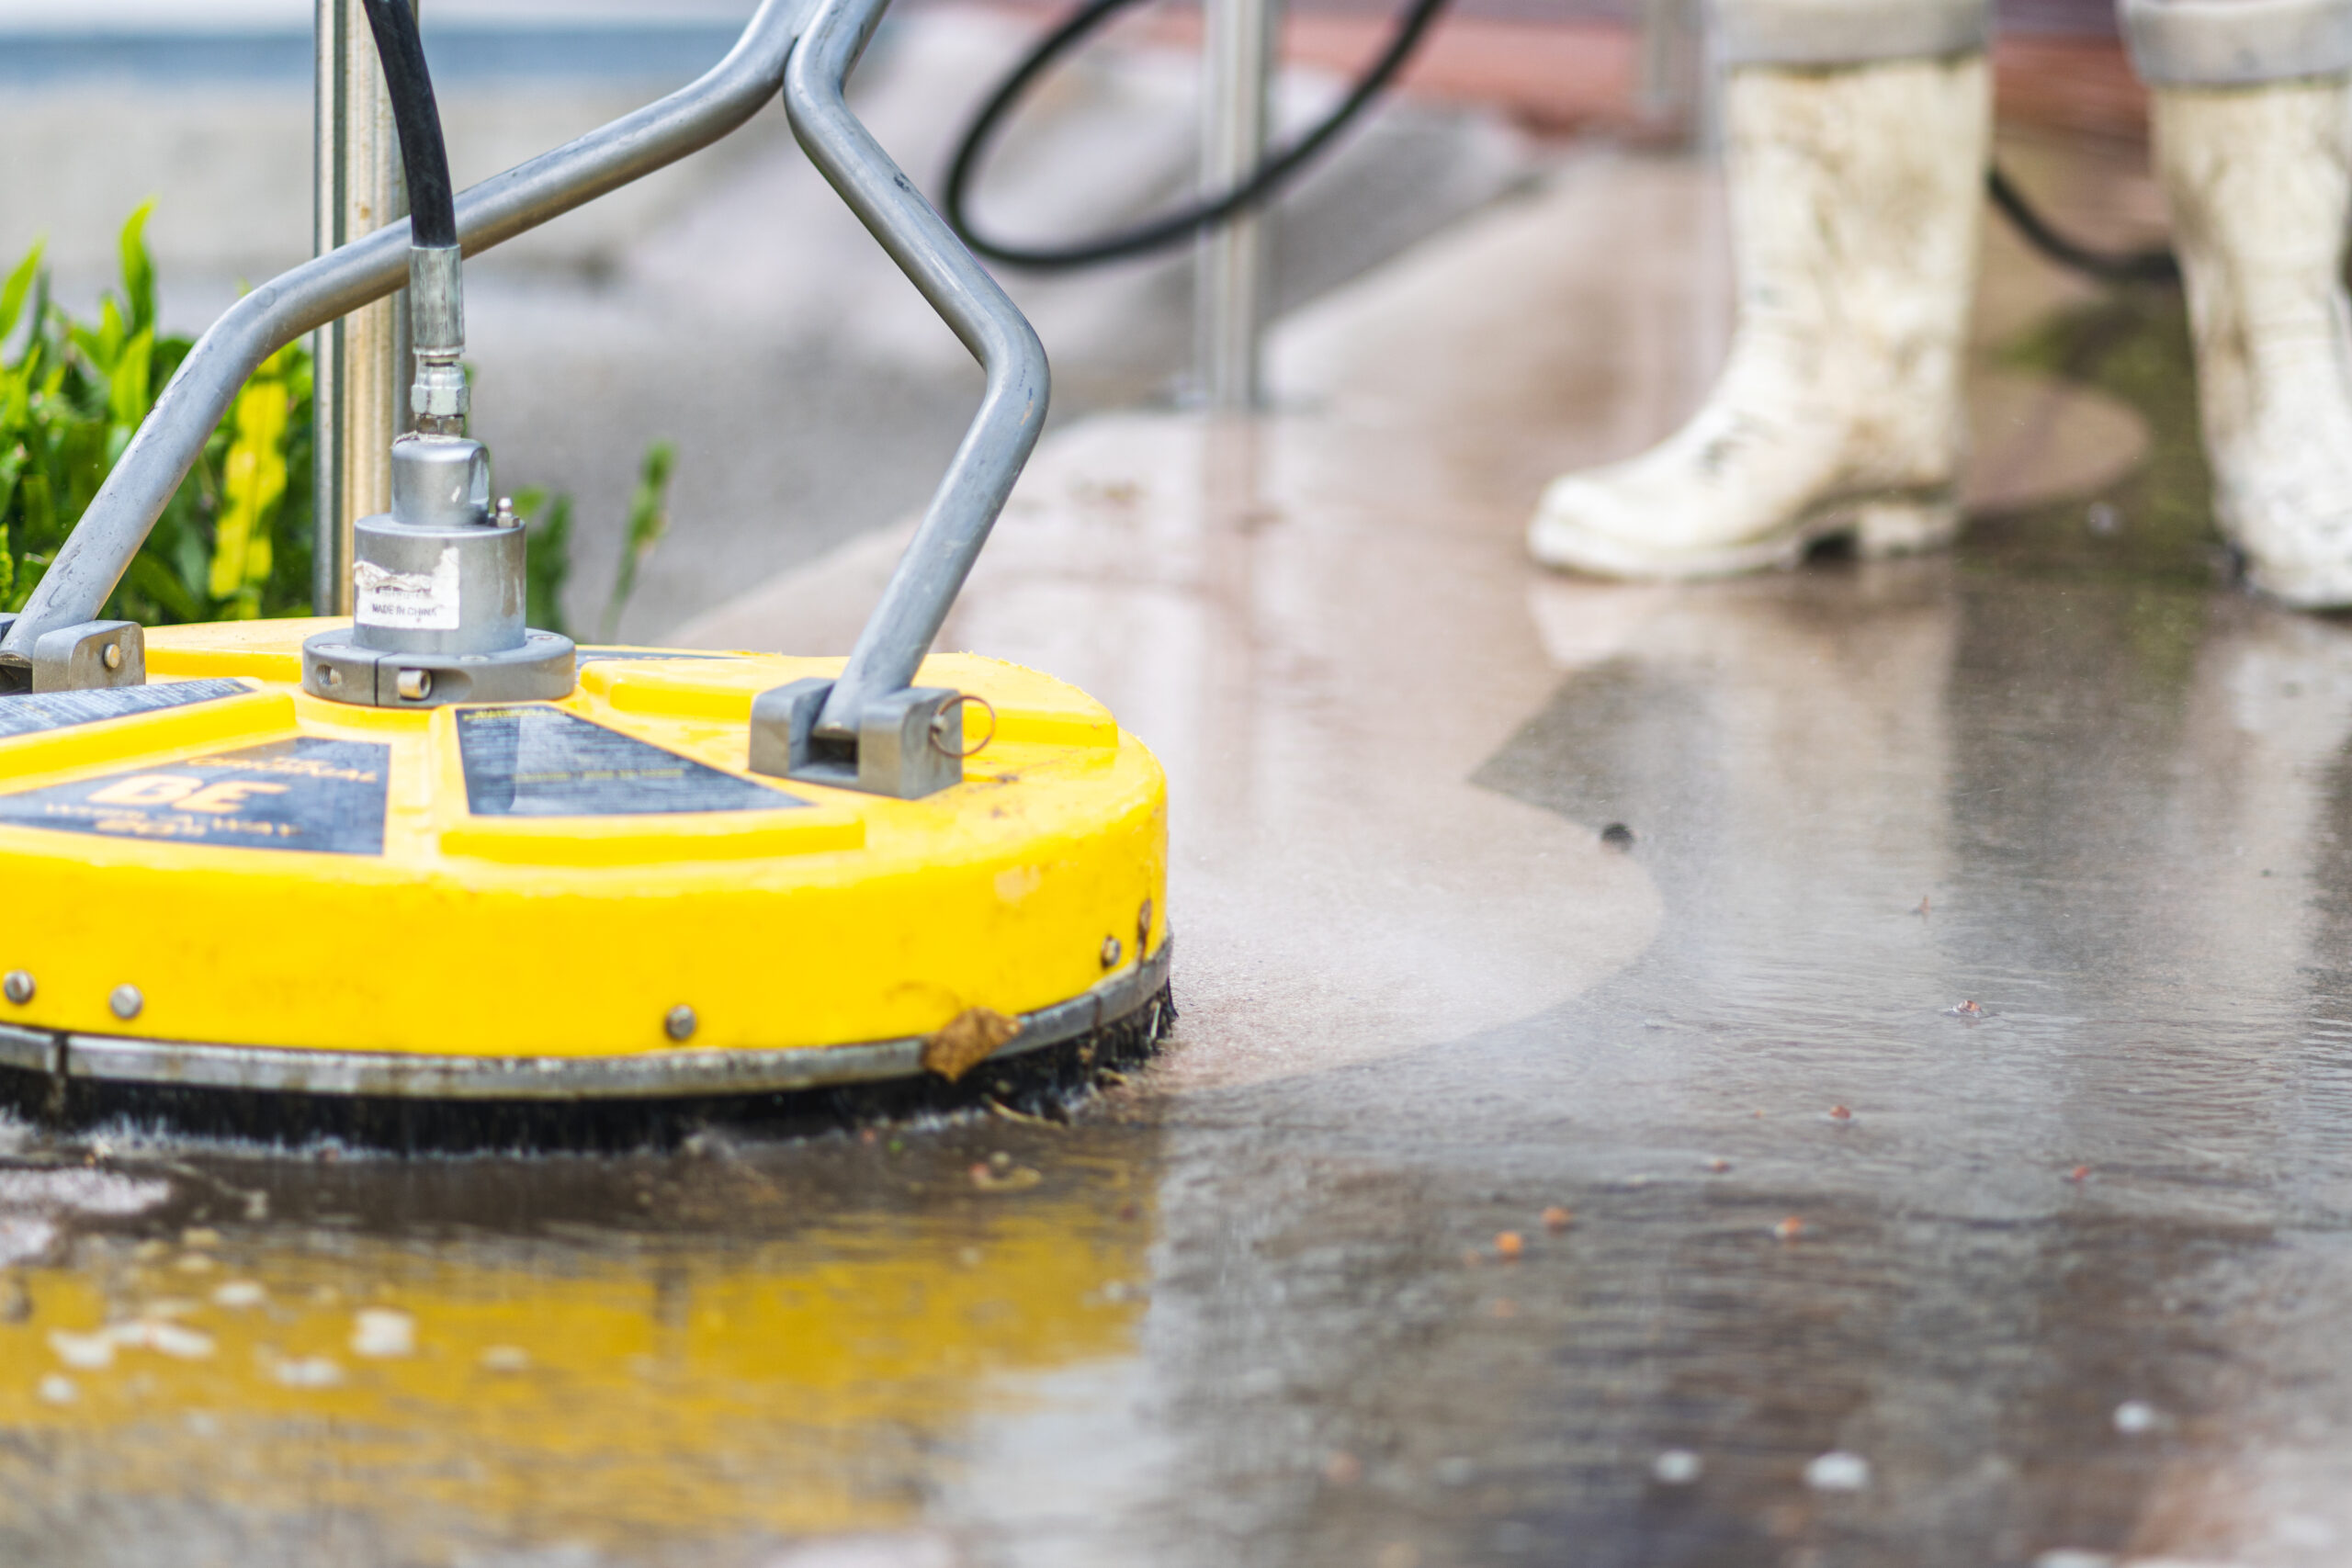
{"points": [[82, 1352], [1837, 1471], [309, 1372], [381, 1332], [1676, 1467], [909, 1551], [171, 1338], [57, 1389]]}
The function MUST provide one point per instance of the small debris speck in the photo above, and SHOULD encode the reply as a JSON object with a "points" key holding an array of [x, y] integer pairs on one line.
{"points": [[381, 1332], [506, 1358], [2134, 1417], [1508, 1244], [1617, 836], [1006, 1176], [1840, 1114], [57, 1389], [1967, 1010], [84, 1352], [2067, 1558], [240, 1293], [1676, 1467], [1790, 1228], [173, 1340], [1837, 1471], [1719, 1166], [1342, 1468], [309, 1372], [1556, 1219], [2080, 1173]]}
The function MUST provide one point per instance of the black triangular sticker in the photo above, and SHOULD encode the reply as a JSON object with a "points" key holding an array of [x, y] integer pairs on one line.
{"points": [[542, 761], [326, 797]]}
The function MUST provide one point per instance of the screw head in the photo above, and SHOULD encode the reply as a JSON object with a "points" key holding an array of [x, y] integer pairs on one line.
{"points": [[17, 987], [113, 656], [126, 1001], [1111, 950], [413, 685], [679, 1023]]}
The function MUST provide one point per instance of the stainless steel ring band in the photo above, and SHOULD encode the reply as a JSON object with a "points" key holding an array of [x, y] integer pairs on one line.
{"points": [[2237, 43], [652, 1075], [1849, 32]]}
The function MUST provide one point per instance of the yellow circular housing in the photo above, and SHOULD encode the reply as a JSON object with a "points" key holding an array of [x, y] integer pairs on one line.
{"points": [[216, 879]]}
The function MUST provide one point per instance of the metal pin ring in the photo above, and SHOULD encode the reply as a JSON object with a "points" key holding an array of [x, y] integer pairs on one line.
{"points": [[939, 721]]}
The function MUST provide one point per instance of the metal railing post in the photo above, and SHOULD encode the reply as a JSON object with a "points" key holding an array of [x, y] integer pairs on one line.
{"points": [[361, 359], [1241, 45]]}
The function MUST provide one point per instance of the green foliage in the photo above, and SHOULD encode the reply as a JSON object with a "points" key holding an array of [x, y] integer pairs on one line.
{"points": [[548, 565], [648, 519], [234, 542]]}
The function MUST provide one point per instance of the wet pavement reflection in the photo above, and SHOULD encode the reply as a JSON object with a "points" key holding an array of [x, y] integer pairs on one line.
{"points": [[1845, 1068]]}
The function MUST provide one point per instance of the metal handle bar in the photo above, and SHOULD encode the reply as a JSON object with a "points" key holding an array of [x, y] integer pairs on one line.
{"points": [[168, 443], [1012, 409]]}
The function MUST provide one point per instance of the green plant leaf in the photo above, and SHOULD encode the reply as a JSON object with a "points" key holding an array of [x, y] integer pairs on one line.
{"points": [[649, 520], [547, 561], [12, 293], [139, 267]]}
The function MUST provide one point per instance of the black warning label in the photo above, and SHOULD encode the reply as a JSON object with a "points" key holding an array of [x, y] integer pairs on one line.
{"points": [[542, 761], [326, 797], [57, 710]]}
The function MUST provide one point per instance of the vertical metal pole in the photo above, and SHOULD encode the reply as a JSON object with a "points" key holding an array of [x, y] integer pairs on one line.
{"points": [[361, 360], [1242, 42]]}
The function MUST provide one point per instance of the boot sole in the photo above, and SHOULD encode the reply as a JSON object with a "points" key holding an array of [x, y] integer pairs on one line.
{"points": [[1881, 524]]}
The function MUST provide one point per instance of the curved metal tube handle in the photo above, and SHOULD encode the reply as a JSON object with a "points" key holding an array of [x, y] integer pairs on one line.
{"points": [[1012, 409], [107, 537]]}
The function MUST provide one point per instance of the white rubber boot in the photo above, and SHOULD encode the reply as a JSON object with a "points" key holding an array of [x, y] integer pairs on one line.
{"points": [[2254, 149], [1856, 194]]}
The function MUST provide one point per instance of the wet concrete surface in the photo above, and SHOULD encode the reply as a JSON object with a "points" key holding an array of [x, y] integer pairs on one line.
{"points": [[1918, 1137]]}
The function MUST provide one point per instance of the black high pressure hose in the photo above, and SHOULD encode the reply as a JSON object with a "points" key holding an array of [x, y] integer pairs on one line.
{"points": [[2156, 265], [432, 205], [1175, 227], [436, 298], [2137, 266]]}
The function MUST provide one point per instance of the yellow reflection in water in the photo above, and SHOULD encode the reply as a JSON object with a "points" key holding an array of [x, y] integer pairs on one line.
{"points": [[698, 1387]]}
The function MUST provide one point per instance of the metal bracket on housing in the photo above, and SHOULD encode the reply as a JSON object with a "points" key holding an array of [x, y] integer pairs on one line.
{"points": [[872, 729], [909, 744], [91, 656], [336, 666]]}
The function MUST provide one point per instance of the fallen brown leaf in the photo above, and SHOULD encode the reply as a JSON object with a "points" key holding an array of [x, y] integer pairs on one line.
{"points": [[969, 1038]]}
